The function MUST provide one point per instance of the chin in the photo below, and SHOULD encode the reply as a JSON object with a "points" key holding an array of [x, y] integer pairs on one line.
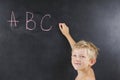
{"points": [[76, 68]]}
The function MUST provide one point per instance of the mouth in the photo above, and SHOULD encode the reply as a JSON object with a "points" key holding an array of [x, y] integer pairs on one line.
{"points": [[78, 64]]}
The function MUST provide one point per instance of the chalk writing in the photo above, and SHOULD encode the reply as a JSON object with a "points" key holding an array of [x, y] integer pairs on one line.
{"points": [[42, 22], [13, 20], [29, 19]]}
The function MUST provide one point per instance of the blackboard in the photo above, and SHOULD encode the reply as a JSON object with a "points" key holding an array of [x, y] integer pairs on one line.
{"points": [[32, 47]]}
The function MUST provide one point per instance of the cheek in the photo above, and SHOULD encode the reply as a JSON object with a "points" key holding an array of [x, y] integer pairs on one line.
{"points": [[88, 62], [72, 61], [85, 61]]}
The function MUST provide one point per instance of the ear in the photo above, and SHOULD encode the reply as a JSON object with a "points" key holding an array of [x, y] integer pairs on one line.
{"points": [[92, 61]]}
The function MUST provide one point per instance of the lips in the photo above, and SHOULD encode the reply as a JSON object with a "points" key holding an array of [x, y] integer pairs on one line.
{"points": [[78, 64]]}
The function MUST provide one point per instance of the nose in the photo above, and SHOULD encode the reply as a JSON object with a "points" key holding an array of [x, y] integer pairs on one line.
{"points": [[77, 59]]}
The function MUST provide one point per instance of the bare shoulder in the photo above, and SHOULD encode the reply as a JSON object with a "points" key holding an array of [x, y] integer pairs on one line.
{"points": [[91, 75], [86, 78], [90, 78]]}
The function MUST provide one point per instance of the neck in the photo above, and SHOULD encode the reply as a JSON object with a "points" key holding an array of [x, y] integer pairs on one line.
{"points": [[84, 71]]}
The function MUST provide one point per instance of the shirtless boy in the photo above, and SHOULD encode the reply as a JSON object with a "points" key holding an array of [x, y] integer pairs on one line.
{"points": [[83, 56]]}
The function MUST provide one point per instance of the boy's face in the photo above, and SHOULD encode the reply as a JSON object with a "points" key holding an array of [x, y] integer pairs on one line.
{"points": [[80, 59]]}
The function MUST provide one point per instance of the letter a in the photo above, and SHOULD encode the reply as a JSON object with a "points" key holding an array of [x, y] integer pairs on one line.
{"points": [[13, 20]]}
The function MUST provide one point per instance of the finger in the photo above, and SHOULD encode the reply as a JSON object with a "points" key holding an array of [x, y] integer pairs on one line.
{"points": [[61, 25]]}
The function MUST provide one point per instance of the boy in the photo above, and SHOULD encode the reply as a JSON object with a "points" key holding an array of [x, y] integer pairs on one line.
{"points": [[83, 56]]}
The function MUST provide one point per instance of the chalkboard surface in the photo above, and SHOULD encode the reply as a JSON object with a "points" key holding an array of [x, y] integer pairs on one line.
{"points": [[32, 47]]}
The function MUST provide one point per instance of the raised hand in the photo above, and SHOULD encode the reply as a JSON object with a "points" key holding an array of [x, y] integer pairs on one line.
{"points": [[65, 31]]}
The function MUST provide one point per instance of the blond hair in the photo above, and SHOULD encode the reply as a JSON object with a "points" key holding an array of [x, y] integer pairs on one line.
{"points": [[91, 48]]}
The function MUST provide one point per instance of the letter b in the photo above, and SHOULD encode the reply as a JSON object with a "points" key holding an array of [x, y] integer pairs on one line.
{"points": [[30, 20]]}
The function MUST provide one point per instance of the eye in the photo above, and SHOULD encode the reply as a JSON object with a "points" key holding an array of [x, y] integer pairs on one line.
{"points": [[83, 56], [74, 55]]}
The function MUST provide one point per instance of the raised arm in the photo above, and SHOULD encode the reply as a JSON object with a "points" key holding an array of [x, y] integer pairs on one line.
{"points": [[65, 31]]}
